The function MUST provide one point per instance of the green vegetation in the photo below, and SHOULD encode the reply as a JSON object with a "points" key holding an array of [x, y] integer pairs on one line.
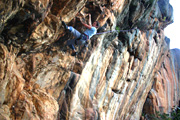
{"points": [[164, 19], [174, 115], [117, 28], [160, 116]]}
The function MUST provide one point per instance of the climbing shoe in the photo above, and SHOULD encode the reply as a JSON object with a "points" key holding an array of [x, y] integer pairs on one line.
{"points": [[74, 53], [64, 24]]}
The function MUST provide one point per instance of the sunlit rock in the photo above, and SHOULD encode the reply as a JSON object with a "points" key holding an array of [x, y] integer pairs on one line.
{"points": [[126, 70]]}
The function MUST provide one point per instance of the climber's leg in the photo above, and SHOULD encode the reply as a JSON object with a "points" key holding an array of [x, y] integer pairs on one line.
{"points": [[76, 33], [71, 43]]}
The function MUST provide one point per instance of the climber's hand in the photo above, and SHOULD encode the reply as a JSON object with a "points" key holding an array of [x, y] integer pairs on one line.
{"points": [[89, 15]]}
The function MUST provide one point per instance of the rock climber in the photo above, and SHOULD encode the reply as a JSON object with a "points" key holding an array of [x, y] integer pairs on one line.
{"points": [[81, 38]]}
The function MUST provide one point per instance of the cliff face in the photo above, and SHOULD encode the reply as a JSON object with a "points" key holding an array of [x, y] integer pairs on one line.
{"points": [[164, 95], [111, 79]]}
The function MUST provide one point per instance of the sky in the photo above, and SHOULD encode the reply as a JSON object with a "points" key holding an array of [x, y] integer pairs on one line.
{"points": [[172, 31]]}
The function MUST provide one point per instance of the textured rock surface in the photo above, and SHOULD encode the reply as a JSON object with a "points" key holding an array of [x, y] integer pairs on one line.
{"points": [[111, 79], [164, 95]]}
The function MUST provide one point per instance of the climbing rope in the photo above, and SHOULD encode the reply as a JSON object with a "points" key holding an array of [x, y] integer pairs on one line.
{"points": [[115, 31]]}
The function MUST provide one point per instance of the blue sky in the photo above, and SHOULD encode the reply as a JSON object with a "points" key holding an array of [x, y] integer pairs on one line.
{"points": [[172, 31]]}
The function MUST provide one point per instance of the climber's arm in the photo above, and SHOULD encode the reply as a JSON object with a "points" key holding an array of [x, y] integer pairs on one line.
{"points": [[90, 23], [86, 25]]}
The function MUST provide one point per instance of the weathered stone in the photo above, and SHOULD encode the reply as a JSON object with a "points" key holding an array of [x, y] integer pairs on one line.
{"points": [[4, 113], [163, 96], [110, 79]]}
